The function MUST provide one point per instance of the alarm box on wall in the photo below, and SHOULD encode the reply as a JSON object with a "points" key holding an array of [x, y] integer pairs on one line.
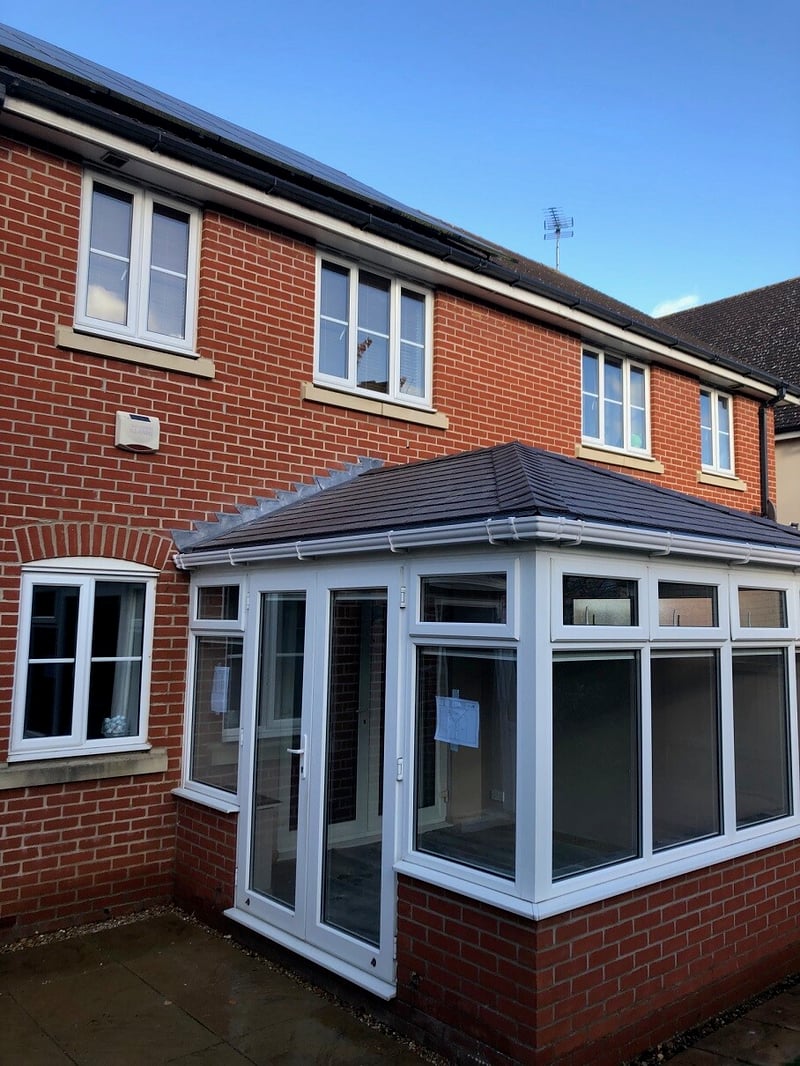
{"points": [[137, 433]]}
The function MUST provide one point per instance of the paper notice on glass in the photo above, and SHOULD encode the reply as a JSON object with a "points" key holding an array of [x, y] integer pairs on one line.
{"points": [[219, 689], [457, 721]]}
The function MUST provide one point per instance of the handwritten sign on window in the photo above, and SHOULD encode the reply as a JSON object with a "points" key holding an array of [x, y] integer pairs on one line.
{"points": [[457, 721]]}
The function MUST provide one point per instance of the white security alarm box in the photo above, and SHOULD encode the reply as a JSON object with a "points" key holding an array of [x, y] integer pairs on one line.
{"points": [[137, 433]]}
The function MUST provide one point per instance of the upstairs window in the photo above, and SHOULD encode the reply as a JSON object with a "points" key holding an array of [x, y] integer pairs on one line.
{"points": [[137, 269], [373, 334], [614, 394], [83, 661], [716, 434]]}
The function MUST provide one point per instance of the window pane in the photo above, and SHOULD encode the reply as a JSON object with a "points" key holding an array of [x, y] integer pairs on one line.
{"points": [[114, 698], [109, 256], [110, 231], [614, 432], [684, 604], [412, 317], [595, 762], [166, 312], [373, 362], [599, 601], [478, 598], [466, 757], [762, 608], [54, 621], [591, 396], [334, 296], [216, 711], [760, 736], [685, 739], [724, 430], [638, 428], [117, 636], [412, 344], [333, 341], [373, 303], [351, 875], [170, 240], [117, 628], [48, 700], [273, 853], [218, 602], [333, 325]]}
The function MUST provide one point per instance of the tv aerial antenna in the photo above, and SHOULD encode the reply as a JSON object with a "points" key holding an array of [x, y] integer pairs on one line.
{"points": [[556, 226]]}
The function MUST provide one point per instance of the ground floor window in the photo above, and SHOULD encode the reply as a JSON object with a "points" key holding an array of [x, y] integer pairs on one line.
{"points": [[466, 756], [684, 687], [761, 745], [595, 761], [81, 680]]}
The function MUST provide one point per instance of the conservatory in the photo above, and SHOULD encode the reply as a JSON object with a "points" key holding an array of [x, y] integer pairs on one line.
{"points": [[522, 679]]}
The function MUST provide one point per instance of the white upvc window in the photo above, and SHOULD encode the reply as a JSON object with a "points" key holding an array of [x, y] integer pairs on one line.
{"points": [[615, 402], [373, 333], [716, 431], [83, 661], [215, 689], [137, 273]]}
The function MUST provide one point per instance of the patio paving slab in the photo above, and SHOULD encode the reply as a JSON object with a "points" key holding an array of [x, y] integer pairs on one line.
{"points": [[165, 989]]}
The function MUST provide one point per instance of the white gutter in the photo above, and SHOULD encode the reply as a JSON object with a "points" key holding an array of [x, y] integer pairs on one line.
{"points": [[422, 265], [563, 532]]}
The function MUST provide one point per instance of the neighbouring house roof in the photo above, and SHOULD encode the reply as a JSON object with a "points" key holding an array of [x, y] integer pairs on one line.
{"points": [[44, 74], [760, 327], [498, 488]]}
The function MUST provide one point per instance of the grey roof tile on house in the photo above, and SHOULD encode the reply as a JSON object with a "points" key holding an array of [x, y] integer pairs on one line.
{"points": [[70, 80], [760, 327], [508, 480]]}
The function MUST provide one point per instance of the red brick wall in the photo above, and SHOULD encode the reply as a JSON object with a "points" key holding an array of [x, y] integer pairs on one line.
{"points": [[597, 985], [203, 874], [69, 490]]}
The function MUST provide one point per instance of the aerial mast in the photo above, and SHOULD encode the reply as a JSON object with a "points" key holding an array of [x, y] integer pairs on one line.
{"points": [[556, 226]]}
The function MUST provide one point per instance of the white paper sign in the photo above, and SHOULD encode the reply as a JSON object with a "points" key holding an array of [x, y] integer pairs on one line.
{"points": [[219, 689], [457, 721]]}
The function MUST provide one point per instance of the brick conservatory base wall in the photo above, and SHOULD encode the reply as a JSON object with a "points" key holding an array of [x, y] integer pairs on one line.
{"points": [[599, 984]]}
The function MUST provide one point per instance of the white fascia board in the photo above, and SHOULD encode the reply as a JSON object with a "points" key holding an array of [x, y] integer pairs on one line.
{"points": [[196, 182], [505, 532]]}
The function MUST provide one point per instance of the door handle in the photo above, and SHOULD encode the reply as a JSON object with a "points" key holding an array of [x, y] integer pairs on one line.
{"points": [[301, 752]]}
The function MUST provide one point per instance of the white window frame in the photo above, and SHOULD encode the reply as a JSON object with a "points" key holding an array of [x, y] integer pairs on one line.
{"points": [[627, 365], [715, 466], [397, 287], [604, 882], [134, 329], [614, 570], [222, 628], [84, 573]]}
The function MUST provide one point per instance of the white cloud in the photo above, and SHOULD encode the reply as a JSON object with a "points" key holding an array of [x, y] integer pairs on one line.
{"points": [[669, 307]]}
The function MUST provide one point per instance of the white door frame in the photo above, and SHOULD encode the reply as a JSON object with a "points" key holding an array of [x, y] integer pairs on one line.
{"points": [[301, 929]]}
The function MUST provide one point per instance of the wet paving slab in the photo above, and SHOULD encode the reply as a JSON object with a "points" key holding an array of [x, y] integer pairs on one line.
{"points": [[165, 989]]}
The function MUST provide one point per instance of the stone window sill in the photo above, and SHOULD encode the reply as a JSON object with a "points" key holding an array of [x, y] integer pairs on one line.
{"points": [[90, 344], [41, 772], [606, 455], [319, 394], [721, 481]]}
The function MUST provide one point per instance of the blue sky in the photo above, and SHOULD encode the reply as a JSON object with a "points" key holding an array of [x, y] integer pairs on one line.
{"points": [[669, 132]]}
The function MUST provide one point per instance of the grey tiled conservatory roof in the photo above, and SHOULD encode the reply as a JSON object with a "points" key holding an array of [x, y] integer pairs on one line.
{"points": [[508, 480]]}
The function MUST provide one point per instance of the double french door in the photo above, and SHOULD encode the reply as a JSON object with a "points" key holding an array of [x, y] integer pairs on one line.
{"points": [[314, 863]]}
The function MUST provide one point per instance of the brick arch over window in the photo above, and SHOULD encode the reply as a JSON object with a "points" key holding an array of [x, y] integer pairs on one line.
{"points": [[82, 539]]}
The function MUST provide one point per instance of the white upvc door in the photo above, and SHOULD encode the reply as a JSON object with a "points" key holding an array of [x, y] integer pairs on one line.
{"points": [[319, 768]]}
